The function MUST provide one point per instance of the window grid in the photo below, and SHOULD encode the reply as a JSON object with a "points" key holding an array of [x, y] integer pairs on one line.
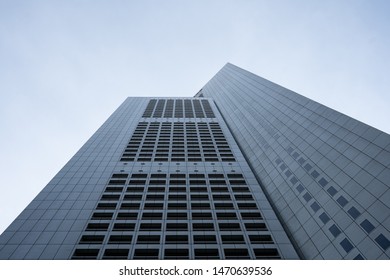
{"points": [[188, 220]]}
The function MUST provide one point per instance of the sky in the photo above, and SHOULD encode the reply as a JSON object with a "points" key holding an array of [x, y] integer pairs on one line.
{"points": [[65, 66]]}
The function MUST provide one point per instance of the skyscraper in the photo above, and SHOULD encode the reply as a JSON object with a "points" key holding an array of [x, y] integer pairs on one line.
{"points": [[244, 170]]}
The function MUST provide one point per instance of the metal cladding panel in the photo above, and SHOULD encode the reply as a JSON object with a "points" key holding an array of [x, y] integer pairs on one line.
{"points": [[327, 175]]}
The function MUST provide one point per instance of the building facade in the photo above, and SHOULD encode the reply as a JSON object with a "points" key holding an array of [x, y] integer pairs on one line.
{"points": [[244, 170]]}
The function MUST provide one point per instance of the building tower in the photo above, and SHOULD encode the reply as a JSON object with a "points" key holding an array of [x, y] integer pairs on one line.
{"points": [[244, 170]]}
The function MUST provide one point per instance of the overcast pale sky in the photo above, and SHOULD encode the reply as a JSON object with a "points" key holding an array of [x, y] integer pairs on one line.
{"points": [[65, 66]]}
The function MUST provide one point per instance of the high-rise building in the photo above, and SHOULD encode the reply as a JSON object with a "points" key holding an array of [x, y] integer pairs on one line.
{"points": [[244, 170]]}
